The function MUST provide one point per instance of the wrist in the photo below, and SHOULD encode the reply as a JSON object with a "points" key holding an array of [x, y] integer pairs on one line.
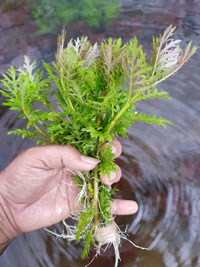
{"points": [[8, 230]]}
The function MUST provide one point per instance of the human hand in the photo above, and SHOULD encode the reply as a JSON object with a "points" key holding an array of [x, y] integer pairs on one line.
{"points": [[38, 190]]}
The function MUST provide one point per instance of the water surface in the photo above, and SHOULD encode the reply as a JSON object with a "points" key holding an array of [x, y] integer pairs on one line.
{"points": [[161, 167]]}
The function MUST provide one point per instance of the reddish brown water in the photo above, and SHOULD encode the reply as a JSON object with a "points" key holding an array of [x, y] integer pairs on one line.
{"points": [[161, 168]]}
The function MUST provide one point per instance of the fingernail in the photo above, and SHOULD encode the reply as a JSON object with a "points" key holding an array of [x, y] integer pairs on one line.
{"points": [[90, 160]]}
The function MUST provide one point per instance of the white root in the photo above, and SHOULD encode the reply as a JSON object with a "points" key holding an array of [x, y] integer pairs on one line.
{"points": [[111, 235], [105, 234], [108, 235], [70, 234], [83, 192]]}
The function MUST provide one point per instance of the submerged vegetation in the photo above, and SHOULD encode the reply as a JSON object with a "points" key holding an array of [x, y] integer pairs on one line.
{"points": [[50, 14], [96, 89]]}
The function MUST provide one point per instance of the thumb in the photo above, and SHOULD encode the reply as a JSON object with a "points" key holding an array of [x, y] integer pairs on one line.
{"points": [[66, 156]]}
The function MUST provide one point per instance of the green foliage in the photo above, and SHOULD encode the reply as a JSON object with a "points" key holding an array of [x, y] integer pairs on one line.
{"points": [[105, 196], [96, 91], [151, 119], [88, 240], [50, 14], [85, 220], [107, 162]]}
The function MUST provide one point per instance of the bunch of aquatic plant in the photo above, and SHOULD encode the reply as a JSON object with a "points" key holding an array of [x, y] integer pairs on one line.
{"points": [[50, 14], [87, 97]]}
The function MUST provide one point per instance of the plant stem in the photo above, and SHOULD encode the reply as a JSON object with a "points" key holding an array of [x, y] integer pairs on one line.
{"points": [[50, 108], [34, 125], [96, 196], [119, 114], [96, 190], [70, 103], [41, 132], [128, 103]]}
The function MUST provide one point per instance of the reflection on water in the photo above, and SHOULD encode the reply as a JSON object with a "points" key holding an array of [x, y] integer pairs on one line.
{"points": [[161, 168]]}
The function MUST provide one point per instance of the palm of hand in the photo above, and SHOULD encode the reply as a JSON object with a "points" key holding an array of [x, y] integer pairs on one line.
{"points": [[38, 195], [38, 188]]}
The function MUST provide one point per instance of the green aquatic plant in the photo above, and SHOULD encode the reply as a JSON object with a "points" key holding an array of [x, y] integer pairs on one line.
{"points": [[50, 14], [87, 97]]}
